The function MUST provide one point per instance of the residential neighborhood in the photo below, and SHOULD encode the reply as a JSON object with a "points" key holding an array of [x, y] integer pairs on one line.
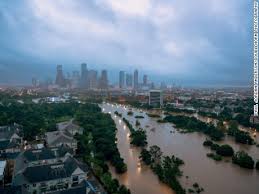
{"points": [[49, 166]]}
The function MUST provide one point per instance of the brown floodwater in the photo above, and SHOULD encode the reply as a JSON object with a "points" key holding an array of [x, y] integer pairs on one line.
{"points": [[215, 177]]}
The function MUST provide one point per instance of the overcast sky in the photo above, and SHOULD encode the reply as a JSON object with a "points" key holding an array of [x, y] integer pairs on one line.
{"points": [[190, 42]]}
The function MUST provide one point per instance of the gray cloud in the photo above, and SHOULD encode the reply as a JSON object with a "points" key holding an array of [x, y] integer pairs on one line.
{"points": [[206, 41]]}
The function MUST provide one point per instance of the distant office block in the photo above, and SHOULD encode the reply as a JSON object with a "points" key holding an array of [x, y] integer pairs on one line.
{"points": [[145, 80], [136, 84], [60, 80], [103, 82], [129, 80], [92, 79], [84, 73], [155, 98], [122, 79]]}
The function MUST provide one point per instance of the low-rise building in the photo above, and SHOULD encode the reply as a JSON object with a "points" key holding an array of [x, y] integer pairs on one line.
{"points": [[11, 139], [70, 127], [41, 156], [51, 177], [58, 138]]}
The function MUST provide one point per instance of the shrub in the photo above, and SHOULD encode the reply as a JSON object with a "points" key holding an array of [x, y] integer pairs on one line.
{"points": [[215, 157], [207, 143], [225, 150], [242, 159], [215, 146]]}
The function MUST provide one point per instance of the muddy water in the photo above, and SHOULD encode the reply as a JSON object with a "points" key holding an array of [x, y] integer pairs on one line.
{"points": [[215, 177]]}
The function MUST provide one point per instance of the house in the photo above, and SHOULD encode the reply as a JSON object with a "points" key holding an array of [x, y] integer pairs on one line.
{"points": [[46, 155], [11, 139], [42, 156], [51, 177], [70, 127], [58, 138]]}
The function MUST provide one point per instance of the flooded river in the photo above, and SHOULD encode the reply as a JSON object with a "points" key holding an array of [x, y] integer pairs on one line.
{"points": [[215, 177]]}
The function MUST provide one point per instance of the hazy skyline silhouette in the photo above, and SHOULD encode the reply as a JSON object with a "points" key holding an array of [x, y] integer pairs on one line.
{"points": [[191, 43]]}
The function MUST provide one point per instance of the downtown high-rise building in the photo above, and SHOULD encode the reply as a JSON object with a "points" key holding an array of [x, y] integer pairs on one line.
{"points": [[103, 81], [83, 79], [122, 79], [145, 80], [129, 80], [75, 80], [34, 82], [92, 82], [136, 84], [60, 79]]}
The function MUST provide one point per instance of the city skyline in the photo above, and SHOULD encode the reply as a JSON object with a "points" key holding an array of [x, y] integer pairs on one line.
{"points": [[88, 78], [171, 41]]}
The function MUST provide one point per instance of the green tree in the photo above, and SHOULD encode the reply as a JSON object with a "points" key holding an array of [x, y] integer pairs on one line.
{"points": [[233, 128], [155, 153], [242, 159], [225, 150], [145, 156], [207, 143]]}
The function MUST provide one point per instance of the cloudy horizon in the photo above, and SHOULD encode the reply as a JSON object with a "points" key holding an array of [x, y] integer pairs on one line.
{"points": [[208, 42]]}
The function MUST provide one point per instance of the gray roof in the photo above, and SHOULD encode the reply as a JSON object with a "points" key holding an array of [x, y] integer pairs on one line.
{"points": [[69, 126], [51, 171], [56, 137], [46, 153], [42, 154], [27, 156]]}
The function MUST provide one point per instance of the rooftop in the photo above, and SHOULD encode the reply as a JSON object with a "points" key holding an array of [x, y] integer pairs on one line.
{"points": [[51, 172], [59, 136], [47, 172]]}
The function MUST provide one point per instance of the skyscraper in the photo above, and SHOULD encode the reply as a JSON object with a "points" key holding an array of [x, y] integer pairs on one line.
{"points": [[75, 79], [145, 80], [92, 79], [83, 75], [34, 82], [129, 80], [60, 80], [103, 82], [122, 79], [136, 79]]}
